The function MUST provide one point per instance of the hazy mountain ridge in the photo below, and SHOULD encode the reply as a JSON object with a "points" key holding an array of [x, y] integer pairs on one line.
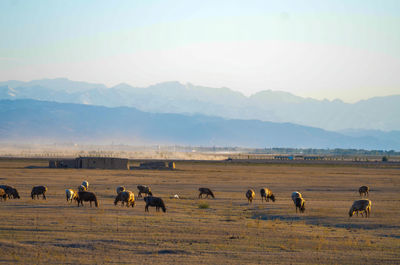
{"points": [[379, 113], [32, 120]]}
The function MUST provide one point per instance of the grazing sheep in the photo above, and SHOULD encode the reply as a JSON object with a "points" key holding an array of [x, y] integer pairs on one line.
{"points": [[206, 191], [87, 196], [86, 184], [296, 194], [363, 206], [10, 191], [363, 190], [144, 189], [154, 202], [250, 195], [82, 188], [3, 195], [125, 196], [37, 190], [266, 194], [298, 201], [120, 189], [71, 195]]}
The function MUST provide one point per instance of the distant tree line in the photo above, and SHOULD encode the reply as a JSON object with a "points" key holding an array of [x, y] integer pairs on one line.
{"points": [[287, 151]]}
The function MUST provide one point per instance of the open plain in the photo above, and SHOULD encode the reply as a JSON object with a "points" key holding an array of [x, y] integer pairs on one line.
{"points": [[224, 230]]}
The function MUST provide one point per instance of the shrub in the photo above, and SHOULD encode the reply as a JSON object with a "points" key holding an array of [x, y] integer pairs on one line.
{"points": [[384, 159], [204, 205]]}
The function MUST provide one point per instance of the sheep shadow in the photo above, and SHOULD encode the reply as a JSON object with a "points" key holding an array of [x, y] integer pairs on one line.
{"points": [[336, 222], [89, 246], [40, 206], [166, 252], [36, 167]]}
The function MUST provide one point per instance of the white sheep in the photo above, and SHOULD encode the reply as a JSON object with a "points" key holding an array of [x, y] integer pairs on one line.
{"points": [[298, 201], [86, 184], [71, 195]]}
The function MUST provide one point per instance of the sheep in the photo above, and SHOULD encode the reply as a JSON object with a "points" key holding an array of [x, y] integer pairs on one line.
{"points": [[71, 195], [206, 191], [144, 189], [250, 195], [266, 194], [87, 196], [86, 184], [154, 202], [120, 189], [298, 201], [3, 194], [37, 190], [14, 193], [363, 190], [296, 194], [125, 196], [82, 188], [10, 191], [361, 205]]}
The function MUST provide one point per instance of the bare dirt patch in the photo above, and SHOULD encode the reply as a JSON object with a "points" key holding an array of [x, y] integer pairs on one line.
{"points": [[228, 230]]}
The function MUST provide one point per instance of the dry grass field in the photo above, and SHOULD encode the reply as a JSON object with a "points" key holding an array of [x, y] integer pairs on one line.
{"points": [[225, 230]]}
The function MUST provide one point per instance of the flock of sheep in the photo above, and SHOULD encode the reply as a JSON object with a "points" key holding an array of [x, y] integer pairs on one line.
{"points": [[128, 198], [362, 206], [124, 196]]}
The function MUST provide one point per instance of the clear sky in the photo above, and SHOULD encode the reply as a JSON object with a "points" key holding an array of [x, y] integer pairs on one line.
{"points": [[321, 49]]}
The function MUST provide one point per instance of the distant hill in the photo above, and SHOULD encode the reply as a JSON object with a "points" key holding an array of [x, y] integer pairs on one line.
{"points": [[31, 120], [379, 113]]}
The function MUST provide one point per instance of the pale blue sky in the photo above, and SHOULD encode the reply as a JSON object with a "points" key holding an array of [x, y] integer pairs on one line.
{"points": [[321, 49]]}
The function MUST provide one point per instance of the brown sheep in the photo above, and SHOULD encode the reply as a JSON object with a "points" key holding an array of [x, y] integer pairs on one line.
{"points": [[363, 190], [3, 195], [87, 196], [298, 201], [37, 190], [250, 195], [206, 191], [144, 189], [10, 191], [125, 196], [363, 206], [266, 194], [154, 202]]}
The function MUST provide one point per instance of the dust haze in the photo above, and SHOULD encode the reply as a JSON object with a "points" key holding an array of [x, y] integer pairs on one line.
{"points": [[122, 151]]}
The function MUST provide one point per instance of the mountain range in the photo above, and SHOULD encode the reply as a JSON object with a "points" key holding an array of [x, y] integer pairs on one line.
{"points": [[374, 114], [43, 121]]}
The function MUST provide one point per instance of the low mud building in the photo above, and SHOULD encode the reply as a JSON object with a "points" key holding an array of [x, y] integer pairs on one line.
{"points": [[91, 162]]}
